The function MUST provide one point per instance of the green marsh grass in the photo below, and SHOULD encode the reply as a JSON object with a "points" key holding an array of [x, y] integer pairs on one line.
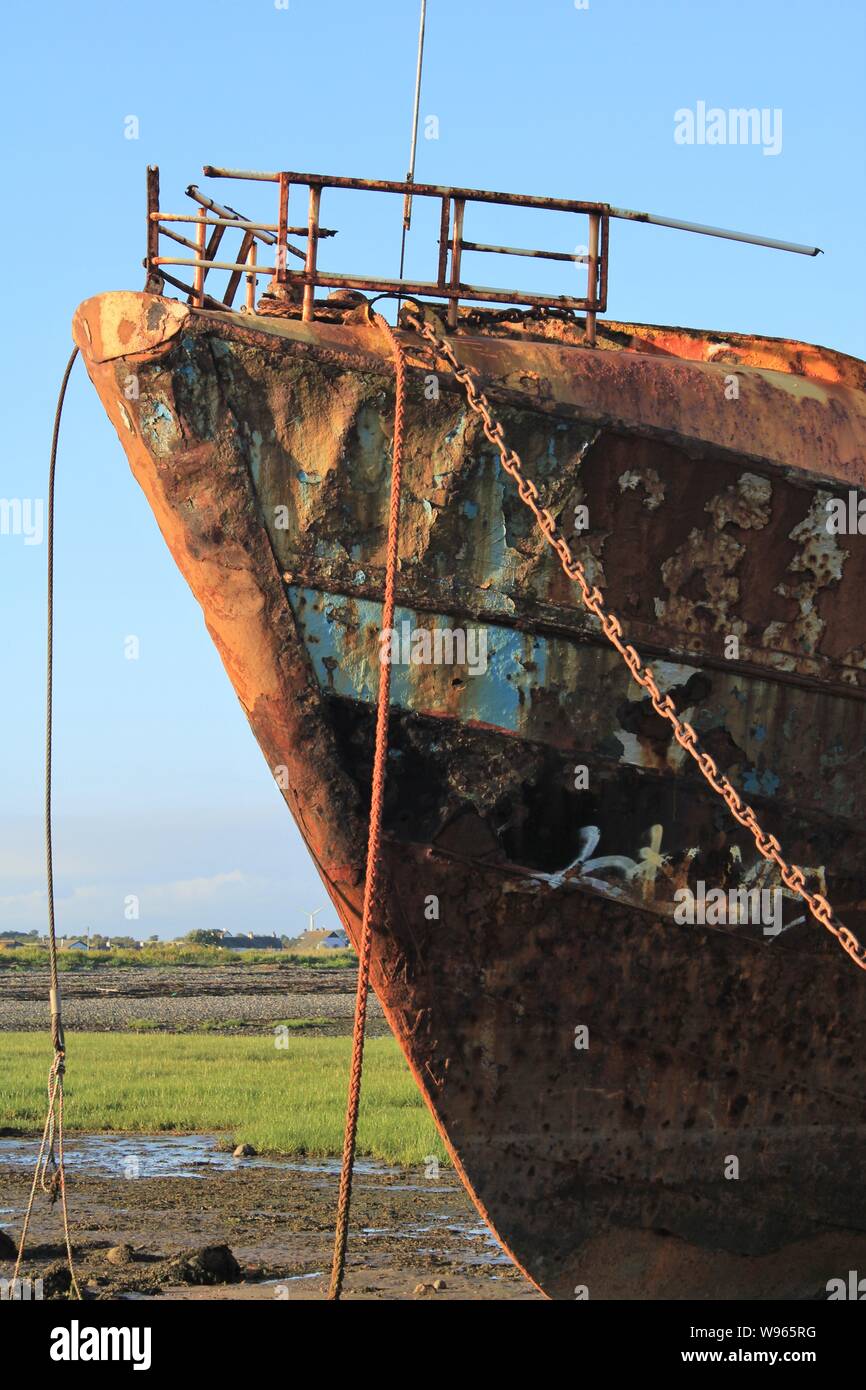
{"points": [[28, 957], [288, 1099]]}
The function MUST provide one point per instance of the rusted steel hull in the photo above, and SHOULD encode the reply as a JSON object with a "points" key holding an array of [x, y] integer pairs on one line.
{"points": [[640, 1107]]}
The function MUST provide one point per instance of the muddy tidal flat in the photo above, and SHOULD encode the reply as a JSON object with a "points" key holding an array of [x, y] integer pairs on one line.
{"points": [[413, 1236]]}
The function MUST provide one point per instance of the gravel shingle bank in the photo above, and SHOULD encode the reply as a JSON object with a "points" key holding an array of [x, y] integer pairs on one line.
{"points": [[186, 997]]}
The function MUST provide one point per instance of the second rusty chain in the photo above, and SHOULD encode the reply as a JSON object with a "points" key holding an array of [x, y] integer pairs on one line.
{"points": [[791, 875]]}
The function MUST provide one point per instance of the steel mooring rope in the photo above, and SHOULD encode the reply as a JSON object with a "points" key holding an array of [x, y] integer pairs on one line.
{"points": [[374, 836], [52, 1134]]}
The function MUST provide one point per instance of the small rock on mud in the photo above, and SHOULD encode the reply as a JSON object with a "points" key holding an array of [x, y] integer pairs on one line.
{"points": [[120, 1255], [214, 1264], [56, 1281], [8, 1248], [244, 1151]]}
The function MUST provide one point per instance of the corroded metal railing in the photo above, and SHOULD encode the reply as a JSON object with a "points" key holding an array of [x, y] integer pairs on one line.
{"points": [[212, 220]]}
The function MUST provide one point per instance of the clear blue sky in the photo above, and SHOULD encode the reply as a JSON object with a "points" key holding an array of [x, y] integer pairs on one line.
{"points": [[161, 791]]}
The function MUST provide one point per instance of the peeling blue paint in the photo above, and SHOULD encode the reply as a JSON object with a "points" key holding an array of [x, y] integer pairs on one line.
{"points": [[534, 685], [766, 783], [457, 430], [341, 636], [158, 426], [185, 367], [254, 454], [494, 698]]}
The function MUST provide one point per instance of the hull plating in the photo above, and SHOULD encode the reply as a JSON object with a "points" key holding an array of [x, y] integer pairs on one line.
{"points": [[539, 823]]}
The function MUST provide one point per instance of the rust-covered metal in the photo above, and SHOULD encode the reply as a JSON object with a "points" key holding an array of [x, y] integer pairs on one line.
{"points": [[300, 287], [539, 818]]}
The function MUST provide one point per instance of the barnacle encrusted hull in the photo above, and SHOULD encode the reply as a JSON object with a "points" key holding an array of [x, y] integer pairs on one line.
{"points": [[640, 1105]]}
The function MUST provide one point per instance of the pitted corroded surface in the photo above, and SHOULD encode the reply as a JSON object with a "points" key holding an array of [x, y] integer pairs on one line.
{"points": [[679, 523], [520, 907]]}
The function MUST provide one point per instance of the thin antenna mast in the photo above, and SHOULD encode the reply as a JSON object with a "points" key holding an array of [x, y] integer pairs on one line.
{"points": [[410, 177]]}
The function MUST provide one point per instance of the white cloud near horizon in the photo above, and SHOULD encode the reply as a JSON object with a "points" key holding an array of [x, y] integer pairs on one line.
{"points": [[236, 872]]}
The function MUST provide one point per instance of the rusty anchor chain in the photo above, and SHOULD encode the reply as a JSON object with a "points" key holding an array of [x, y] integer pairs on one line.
{"points": [[593, 600]]}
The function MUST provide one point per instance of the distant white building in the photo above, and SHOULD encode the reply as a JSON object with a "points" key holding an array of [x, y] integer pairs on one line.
{"points": [[336, 940]]}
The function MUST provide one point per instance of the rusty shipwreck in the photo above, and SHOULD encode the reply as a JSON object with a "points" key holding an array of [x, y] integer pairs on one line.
{"points": [[640, 1106]]}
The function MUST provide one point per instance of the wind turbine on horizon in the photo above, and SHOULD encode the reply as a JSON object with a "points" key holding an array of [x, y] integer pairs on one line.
{"points": [[311, 916]]}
